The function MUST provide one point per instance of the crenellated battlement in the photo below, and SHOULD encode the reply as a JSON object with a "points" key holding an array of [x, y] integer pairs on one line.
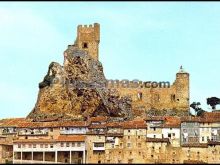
{"points": [[88, 38]]}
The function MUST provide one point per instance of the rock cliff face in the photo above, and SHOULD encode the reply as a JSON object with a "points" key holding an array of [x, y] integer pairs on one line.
{"points": [[77, 91]]}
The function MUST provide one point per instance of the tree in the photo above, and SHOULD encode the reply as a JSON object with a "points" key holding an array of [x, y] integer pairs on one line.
{"points": [[213, 101], [198, 111]]}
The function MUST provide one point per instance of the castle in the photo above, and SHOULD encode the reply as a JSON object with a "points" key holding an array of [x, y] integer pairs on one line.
{"points": [[167, 136], [172, 100]]}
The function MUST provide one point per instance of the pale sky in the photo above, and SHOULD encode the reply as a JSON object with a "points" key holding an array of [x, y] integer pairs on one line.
{"points": [[139, 40]]}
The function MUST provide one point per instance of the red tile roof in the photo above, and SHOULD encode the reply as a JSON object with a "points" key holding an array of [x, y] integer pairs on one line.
{"points": [[134, 124], [171, 122], [97, 126], [52, 124], [71, 138], [114, 124], [154, 118], [11, 122], [190, 119]]}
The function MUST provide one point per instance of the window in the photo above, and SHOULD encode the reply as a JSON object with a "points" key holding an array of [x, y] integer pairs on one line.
{"points": [[73, 144], [121, 144], [154, 136], [139, 137], [46, 145], [203, 138], [130, 153], [61, 144], [51, 129], [23, 145], [19, 145], [99, 162], [128, 144], [85, 45], [67, 144], [34, 145], [128, 137], [112, 145], [41, 145], [97, 144], [154, 129], [207, 138], [79, 144], [51, 146], [169, 135], [129, 130], [29, 146]]}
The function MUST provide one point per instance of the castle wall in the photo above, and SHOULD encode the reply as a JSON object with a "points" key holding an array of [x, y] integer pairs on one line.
{"points": [[161, 98]]}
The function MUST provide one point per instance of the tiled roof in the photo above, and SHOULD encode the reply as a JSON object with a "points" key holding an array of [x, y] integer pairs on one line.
{"points": [[190, 119], [114, 124], [71, 138], [198, 145], [93, 126], [98, 119], [211, 117], [138, 124], [166, 140], [11, 122], [215, 114], [154, 118], [171, 122], [52, 124]]}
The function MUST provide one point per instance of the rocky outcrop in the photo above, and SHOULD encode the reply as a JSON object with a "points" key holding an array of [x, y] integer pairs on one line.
{"points": [[77, 91]]}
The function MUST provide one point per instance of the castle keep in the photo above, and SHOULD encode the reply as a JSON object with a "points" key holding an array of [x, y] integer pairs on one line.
{"points": [[88, 38]]}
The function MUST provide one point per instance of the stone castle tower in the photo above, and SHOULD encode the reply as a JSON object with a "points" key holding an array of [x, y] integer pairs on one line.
{"points": [[182, 88], [88, 38]]}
